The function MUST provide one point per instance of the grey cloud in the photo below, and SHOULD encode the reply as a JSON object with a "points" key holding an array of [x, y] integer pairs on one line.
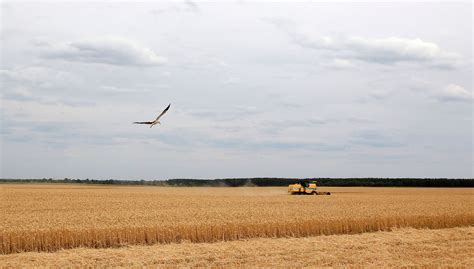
{"points": [[275, 128], [47, 86], [48, 127], [225, 114], [121, 90], [245, 144], [191, 5], [104, 50], [185, 141], [287, 104], [64, 84], [377, 139], [33, 82], [37, 76], [277, 145], [38, 126], [74, 103], [57, 134], [63, 135], [295, 123], [354, 119], [19, 94]]}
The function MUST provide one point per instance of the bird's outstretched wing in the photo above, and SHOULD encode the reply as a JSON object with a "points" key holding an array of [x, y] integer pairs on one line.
{"points": [[143, 122], [162, 113]]}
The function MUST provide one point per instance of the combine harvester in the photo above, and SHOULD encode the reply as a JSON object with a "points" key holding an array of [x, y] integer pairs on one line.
{"points": [[306, 187]]}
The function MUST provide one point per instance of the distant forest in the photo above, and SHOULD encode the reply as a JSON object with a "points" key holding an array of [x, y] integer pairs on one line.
{"points": [[267, 182]]}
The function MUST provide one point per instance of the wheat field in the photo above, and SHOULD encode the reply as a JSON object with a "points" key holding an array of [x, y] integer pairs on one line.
{"points": [[401, 248], [50, 217]]}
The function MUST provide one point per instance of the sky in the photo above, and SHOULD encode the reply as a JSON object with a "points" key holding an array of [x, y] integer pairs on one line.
{"points": [[307, 89]]}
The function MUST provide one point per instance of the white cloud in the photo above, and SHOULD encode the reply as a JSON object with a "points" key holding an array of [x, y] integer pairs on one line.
{"points": [[394, 49], [454, 92], [231, 81], [389, 50], [175, 7], [379, 94], [166, 74], [340, 64], [105, 50]]}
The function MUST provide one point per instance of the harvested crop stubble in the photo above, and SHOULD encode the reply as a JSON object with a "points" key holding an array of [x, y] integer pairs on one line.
{"points": [[50, 217]]}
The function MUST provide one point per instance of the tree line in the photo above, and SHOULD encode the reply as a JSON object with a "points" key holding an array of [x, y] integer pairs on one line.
{"points": [[267, 182]]}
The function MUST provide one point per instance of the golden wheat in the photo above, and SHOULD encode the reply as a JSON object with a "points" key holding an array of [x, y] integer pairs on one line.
{"points": [[401, 248], [52, 217]]}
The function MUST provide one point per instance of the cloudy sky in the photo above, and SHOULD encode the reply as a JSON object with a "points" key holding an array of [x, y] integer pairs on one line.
{"points": [[256, 89]]}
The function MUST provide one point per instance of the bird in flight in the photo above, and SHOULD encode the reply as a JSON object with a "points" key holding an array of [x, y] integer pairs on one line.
{"points": [[156, 121]]}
